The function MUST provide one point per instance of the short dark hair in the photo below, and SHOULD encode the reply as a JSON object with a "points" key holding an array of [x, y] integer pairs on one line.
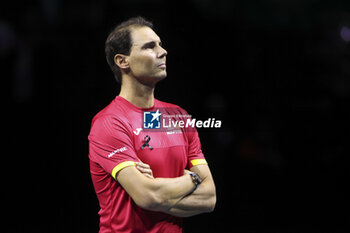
{"points": [[119, 41]]}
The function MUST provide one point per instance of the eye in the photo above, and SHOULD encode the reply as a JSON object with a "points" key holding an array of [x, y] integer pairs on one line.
{"points": [[149, 45]]}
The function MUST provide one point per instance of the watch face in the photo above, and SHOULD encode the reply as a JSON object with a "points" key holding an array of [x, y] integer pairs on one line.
{"points": [[196, 178]]}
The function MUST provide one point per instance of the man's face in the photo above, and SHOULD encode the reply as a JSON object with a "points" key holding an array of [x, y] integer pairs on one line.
{"points": [[147, 59]]}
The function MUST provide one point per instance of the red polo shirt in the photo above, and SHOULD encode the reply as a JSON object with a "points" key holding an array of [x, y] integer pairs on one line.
{"points": [[117, 140]]}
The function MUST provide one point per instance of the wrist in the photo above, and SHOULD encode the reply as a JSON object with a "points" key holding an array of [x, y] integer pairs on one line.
{"points": [[195, 179]]}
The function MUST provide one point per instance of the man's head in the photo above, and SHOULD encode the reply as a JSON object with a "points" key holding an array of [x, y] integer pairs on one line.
{"points": [[134, 48]]}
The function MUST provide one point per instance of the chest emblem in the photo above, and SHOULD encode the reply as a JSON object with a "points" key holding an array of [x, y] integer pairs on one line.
{"points": [[146, 142]]}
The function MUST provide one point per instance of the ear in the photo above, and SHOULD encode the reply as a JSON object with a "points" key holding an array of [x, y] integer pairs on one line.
{"points": [[121, 61]]}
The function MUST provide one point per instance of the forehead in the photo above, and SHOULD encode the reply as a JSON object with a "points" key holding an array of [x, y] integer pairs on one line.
{"points": [[142, 35]]}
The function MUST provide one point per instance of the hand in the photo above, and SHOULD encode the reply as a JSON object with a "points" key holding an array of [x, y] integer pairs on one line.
{"points": [[186, 171], [145, 169]]}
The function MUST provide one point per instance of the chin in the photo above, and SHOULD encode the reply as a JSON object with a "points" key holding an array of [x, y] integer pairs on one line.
{"points": [[160, 76], [158, 79], [152, 80]]}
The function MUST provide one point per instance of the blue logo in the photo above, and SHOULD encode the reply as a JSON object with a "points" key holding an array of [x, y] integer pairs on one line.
{"points": [[152, 120]]}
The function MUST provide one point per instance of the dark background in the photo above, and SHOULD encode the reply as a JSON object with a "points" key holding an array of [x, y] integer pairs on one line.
{"points": [[276, 73]]}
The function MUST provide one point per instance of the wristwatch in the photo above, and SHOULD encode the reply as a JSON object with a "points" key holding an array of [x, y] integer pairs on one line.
{"points": [[195, 179]]}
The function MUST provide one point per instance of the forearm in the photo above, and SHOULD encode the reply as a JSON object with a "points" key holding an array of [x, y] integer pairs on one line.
{"points": [[201, 201], [170, 195], [170, 191], [167, 185], [158, 194]]}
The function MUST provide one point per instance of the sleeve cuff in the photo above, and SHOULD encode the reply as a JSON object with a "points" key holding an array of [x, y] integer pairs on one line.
{"points": [[120, 166], [196, 162]]}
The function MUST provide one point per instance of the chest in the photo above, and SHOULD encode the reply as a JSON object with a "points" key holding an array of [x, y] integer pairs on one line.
{"points": [[165, 152]]}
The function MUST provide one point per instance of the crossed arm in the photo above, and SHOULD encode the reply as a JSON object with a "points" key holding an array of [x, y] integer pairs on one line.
{"points": [[200, 201], [174, 196]]}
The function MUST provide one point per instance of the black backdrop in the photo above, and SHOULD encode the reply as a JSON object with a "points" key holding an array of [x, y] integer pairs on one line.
{"points": [[276, 73]]}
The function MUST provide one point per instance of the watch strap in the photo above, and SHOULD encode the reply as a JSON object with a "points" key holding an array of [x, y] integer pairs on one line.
{"points": [[195, 179]]}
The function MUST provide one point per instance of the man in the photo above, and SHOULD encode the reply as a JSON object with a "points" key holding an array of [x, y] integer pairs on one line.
{"points": [[145, 179]]}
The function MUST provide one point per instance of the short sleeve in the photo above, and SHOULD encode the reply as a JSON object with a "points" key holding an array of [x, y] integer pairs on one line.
{"points": [[110, 145], [195, 155]]}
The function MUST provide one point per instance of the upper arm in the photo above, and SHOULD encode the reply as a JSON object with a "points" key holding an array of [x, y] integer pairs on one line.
{"points": [[110, 145], [206, 192], [207, 179], [197, 162]]}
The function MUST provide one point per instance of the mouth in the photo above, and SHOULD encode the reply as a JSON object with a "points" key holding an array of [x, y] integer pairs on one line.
{"points": [[162, 65]]}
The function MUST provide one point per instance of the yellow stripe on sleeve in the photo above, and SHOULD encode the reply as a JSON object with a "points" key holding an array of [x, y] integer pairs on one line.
{"points": [[196, 162], [120, 166]]}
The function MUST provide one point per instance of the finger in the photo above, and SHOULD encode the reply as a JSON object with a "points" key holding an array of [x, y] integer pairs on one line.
{"points": [[143, 167], [144, 170], [149, 176], [141, 164]]}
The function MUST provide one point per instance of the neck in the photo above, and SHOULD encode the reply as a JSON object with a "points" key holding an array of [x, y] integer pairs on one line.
{"points": [[138, 94]]}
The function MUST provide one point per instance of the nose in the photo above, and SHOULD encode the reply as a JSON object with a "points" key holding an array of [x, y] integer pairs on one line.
{"points": [[162, 52]]}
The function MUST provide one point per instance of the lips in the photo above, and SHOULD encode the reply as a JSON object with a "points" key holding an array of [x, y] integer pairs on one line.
{"points": [[161, 65]]}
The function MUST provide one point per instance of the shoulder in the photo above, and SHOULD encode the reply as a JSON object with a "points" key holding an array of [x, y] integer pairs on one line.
{"points": [[162, 104], [116, 110], [110, 118]]}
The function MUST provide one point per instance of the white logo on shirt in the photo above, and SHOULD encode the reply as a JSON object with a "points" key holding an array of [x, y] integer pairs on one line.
{"points": [[138, 130], [117, 151]]}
